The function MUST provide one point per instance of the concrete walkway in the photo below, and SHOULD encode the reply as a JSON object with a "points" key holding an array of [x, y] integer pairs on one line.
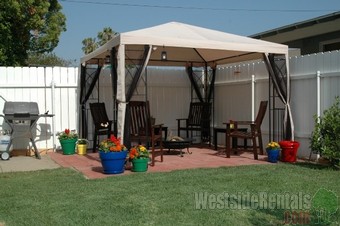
{"points": [[27, 163]]}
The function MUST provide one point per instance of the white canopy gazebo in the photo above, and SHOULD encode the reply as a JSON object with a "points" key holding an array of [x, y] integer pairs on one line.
{"points": [[187, 46]]}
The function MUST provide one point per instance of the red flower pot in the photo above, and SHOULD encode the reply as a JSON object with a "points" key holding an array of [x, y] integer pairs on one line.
{"points": [[289, 150]]}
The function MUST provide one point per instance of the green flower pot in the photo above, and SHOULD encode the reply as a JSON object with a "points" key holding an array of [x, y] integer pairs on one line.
{"points": [[68, 146], [140, 165]]}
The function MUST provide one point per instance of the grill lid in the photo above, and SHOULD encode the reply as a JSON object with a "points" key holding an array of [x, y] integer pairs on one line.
{"points": [[21, 108]]}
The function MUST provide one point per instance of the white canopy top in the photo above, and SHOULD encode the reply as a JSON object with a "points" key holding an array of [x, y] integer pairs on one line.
{"points": [[186, 43]]}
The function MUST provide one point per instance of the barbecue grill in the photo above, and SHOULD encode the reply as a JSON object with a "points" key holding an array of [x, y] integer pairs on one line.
{"points": [[22, 117]]}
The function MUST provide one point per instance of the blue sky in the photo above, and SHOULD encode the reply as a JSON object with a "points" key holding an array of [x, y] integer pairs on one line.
{"points": [[85, 18]]}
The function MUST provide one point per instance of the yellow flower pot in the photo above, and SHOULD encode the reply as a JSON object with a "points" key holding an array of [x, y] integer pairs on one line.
{"points": [[82, 149]]}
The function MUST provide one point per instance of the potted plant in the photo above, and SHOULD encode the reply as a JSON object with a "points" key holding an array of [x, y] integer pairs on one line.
{"points": [[68, 139], [289, 150], [112, 155], [82, 146], [139, 156], [273, 150]]}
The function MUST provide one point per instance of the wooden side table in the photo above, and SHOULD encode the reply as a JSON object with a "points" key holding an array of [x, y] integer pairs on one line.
{"points": [[234, 139], [165, 130]]}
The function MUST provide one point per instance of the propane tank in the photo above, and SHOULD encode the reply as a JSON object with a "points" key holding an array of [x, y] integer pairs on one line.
{"points": [[4, 141]]}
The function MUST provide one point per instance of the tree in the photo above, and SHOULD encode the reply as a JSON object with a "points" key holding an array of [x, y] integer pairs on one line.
{"points": [[105, 35], [47, 59], [29, 26], [90, 44]]}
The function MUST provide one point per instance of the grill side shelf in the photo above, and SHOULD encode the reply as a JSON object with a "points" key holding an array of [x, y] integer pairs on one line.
{"points": [[21, 115]]}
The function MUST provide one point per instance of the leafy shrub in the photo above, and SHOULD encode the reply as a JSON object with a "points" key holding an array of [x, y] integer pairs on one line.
{"points": [[325, 138]]}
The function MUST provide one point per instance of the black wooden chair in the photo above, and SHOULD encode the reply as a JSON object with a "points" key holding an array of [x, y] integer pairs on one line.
{"points": [[142, 130], [198, 120], [254, 133], [102, 124]]}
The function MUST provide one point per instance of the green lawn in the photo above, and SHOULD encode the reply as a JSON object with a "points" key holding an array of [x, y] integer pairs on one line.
{"points": [[65, 197]]}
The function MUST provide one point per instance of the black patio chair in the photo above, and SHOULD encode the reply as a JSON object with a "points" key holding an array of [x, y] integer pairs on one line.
{"points": [[198, 120], [102, 124]]}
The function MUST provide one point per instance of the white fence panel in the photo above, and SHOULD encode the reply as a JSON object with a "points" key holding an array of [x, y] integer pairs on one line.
{"points": [[54, 89], [169, 95], [169, 92], [233, 94], [303, 71]]}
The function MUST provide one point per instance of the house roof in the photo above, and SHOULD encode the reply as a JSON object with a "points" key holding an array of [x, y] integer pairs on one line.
{"points": [[304, 29], [186, 43]]}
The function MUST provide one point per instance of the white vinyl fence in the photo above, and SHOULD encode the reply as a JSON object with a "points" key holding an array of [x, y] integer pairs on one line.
{"points": [[308, 97], [55, 91], [169, 93]]}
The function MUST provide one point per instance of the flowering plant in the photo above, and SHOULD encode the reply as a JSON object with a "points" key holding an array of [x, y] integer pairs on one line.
{"points": [[138, 152], [111, 145], [82, 141], [67, 134], [273, 145]]}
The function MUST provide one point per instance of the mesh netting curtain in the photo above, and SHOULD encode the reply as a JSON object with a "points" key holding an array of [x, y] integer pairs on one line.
{"points": [[203, 86], [278, 71], [88, 81], [131, 89]]}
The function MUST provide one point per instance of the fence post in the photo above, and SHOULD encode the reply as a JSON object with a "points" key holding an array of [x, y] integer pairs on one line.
{"points": [[53, 112], [318, 94], [252, 97], [318, 99]]}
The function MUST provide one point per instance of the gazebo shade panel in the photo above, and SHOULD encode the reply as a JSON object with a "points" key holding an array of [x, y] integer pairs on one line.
{"points": [[185, 45]]}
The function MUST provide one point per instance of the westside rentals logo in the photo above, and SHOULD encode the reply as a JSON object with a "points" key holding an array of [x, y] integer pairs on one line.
{"points": [[297, 208], [248, 200]]}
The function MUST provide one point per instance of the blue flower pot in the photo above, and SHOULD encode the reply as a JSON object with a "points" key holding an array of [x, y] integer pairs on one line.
{"points": [[113, 162], [273, 155]]}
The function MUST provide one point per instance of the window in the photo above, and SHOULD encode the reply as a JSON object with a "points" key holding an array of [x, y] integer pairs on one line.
{"points": [[330, 45]]}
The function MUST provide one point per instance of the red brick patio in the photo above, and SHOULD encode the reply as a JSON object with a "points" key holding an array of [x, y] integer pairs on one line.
{"points": [[90, 164]]}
